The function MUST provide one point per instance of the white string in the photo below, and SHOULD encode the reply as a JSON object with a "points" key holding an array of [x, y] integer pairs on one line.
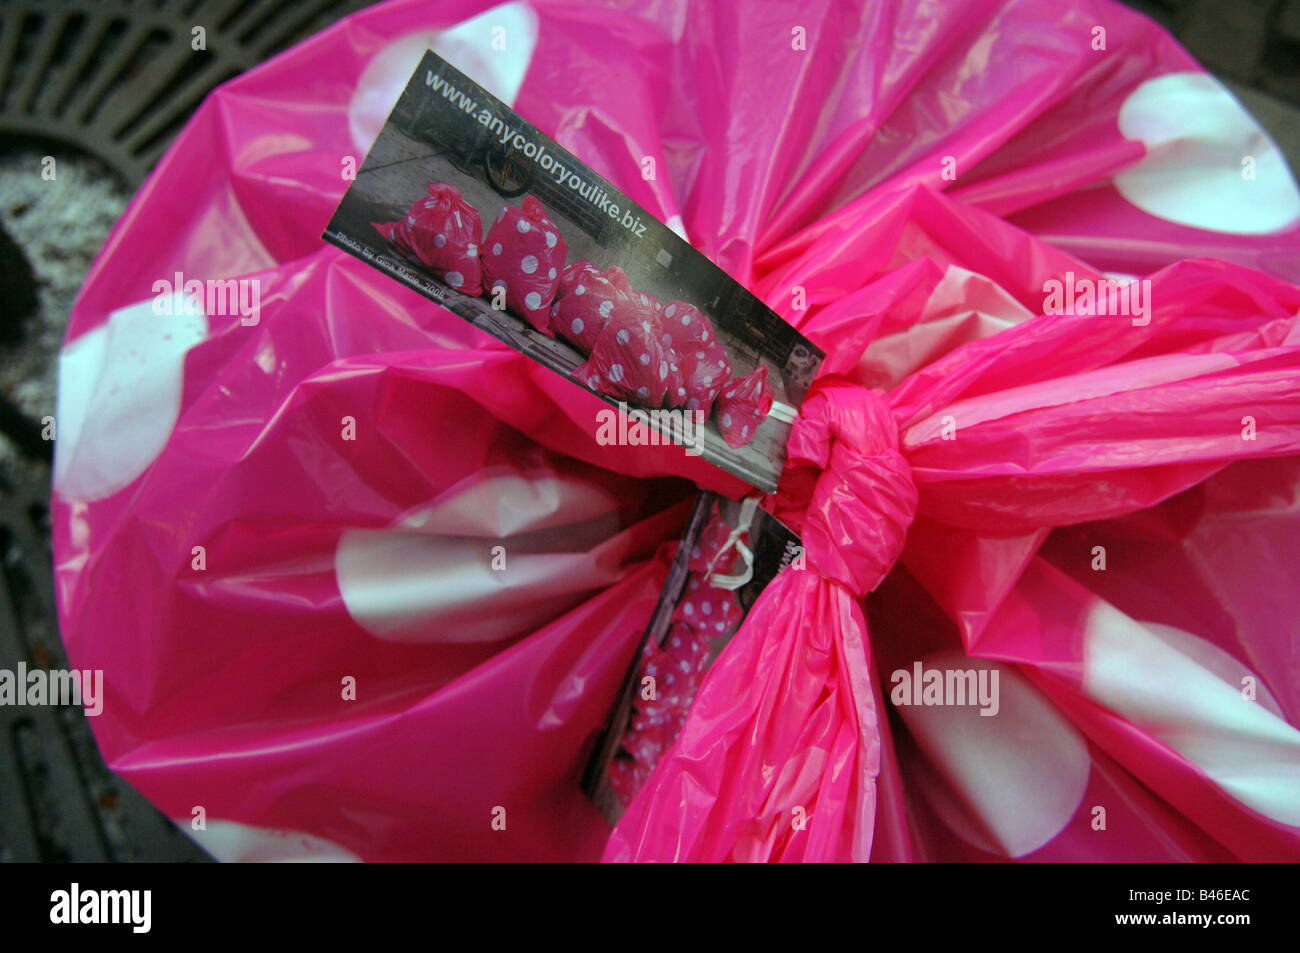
{"points": [[724, 580]]}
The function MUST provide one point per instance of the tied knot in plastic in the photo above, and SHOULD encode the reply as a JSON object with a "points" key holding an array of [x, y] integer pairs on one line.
{"points": [[864, 499]]}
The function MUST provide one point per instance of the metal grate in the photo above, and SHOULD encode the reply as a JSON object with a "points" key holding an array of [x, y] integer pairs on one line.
{"points": [[120, 79], [59, 801]]}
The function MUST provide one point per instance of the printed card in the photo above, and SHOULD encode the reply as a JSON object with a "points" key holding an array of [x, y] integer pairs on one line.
{"points": [[729, 552], [470, 205]]}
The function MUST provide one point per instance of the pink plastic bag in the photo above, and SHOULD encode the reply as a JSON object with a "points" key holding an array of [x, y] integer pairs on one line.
{"points": [[627, 360], [524, 254], [275, 531], [742, 405], [1052, 443], [444, 232], [585, 301]]}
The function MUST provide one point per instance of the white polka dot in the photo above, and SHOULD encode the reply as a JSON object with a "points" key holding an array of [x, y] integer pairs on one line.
{"points": [[532, 301], [622, 336], [551, 274], [439, 240], [676, 642], [522, 225], [686, 318], [643, 392], [670, 311], [663, 370], [681, 392], [616, 372], [688, 609], [1187, 693], [686, 666], [410, 220], [744, 431], [389, 66], [550, 239], [669, 678], [707, 608], [645, 359], [1011, 782], [471, 250], [726, 420], [496, 248], [721, 626], [645, 300], [528, 264], [119, 396], [645, 326], [232, 842], [593, 381], [579, 290], [667, 340], [605, 308], [699, 355], [1196, 135], [455, 279], [704, 335], [577, 326]]}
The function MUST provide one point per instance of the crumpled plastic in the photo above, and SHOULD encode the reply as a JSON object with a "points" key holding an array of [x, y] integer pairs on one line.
{"points": [[275, 532], [966, 514]]}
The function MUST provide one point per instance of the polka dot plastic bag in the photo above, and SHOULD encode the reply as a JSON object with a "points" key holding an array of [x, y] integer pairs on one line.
{"points": [[443, 232], [364, 584], [742, 405], [627, 361], [524, 255], [585, 300]]}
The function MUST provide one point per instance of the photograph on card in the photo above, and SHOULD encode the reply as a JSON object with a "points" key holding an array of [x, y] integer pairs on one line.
{"points": [[473, 207], [729, 552]]}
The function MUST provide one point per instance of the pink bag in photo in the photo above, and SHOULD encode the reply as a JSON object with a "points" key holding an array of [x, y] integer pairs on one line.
{"points": [[524, 254], [444, 233], [585, 302]]}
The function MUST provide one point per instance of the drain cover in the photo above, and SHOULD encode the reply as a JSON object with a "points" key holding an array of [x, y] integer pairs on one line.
{"points": [[120, 79]]}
